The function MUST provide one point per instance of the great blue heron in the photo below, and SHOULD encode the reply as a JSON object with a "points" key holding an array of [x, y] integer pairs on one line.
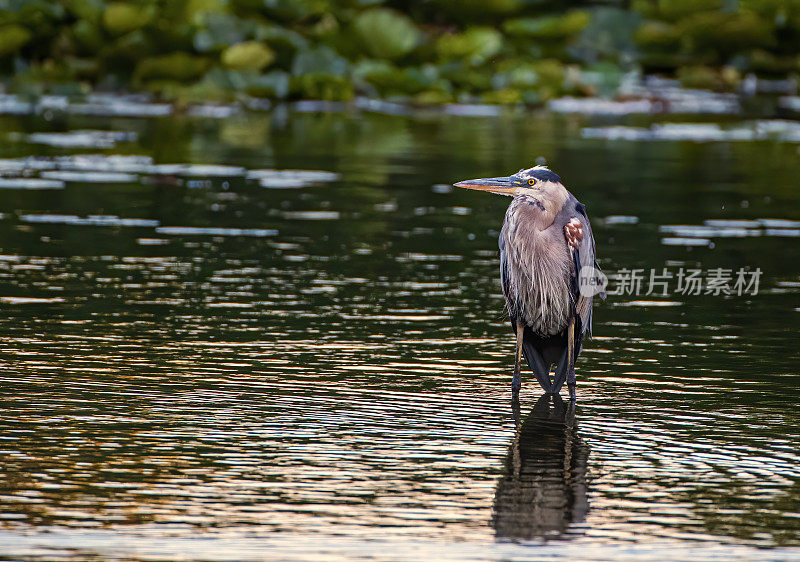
{"points": [[548, 272]]}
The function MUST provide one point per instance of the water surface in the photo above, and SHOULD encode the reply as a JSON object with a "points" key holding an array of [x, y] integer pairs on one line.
{"points": [[206, 354]]}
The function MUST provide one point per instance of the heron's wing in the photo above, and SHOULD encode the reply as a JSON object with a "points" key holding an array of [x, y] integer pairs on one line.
{"points": [[585, 257]]}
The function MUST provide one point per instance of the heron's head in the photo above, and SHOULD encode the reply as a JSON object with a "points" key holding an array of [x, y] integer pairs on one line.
{"points": [[538, 183], [540, 188]]}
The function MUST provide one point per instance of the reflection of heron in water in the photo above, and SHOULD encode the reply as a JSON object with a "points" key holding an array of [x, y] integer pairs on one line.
{"points": [[543, 488]]}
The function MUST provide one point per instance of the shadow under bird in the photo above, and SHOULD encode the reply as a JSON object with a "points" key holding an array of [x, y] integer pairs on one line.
{"points": [[548, 272]]}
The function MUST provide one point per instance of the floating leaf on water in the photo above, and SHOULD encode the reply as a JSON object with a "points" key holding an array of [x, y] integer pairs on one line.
{"points": [[288, 179], [620, 219], [699, 132], [272, 84], [248, 55], [166, 169], [675, 241], [692, 231], [121, 17], [778, 129], [721, 32], [11, 105], [319, 106], [179, 66], [654, 95], [196, 170], [213, 111], [283, 183], [779, 223], [211, 231], [123, 106], [790, 102], [91, 177], [658, 36], [105, 163], [209, 170], [322, 60], [475, 46], [386, 34], [693, 132], [312, 215], [608, 34], [732, 223], [597, 106], [84, 139], [380, 106], [700, 76], [13, 37], [550, 28], [792, 232], [30, 183], [616, 133], [91, 220], [472, 110], [152, 241], [220, 30], [28, 163], [59, 103]]}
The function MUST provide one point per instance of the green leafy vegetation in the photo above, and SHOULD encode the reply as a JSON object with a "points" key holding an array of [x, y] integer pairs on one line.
{"points": [[436, 51]]}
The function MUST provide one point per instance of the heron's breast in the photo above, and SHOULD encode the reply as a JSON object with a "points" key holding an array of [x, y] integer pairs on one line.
{"points": [[537, 269]]}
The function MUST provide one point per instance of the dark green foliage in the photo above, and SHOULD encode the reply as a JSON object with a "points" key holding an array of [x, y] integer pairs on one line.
{"points": [[434, 51]]}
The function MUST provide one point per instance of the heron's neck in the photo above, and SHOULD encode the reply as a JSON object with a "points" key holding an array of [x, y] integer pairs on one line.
{"points": [[533, 210]]}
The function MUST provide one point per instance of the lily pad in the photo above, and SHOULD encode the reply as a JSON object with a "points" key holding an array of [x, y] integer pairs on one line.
{"points": [[724, 34], [274, 84], [391, 80], [179, 66], [322, 60], [475, 46], [657, 35], [386, 34], [549, 27], [12, 38], [249, 55], [221, 30], [120, 17]]}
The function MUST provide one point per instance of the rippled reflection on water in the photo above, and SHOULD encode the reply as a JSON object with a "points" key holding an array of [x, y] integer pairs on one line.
{"points": [[214, 346]]}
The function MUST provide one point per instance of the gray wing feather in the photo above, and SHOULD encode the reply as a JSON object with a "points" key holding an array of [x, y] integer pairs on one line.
{"points": [[586, 258]]}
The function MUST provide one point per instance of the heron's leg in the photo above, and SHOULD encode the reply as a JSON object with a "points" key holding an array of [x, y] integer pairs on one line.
{"points": [[516, 411], [516, 382], [571, 382]]}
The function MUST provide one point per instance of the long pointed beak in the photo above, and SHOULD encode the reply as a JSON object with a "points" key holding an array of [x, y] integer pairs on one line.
{"points": [[501, 186]]}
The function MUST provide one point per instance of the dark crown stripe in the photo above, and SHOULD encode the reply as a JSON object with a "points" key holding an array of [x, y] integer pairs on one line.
{"points": [[545, 175]]}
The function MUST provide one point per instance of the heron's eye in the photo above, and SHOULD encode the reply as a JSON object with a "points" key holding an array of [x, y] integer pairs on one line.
{"points": [[531, 181]]}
